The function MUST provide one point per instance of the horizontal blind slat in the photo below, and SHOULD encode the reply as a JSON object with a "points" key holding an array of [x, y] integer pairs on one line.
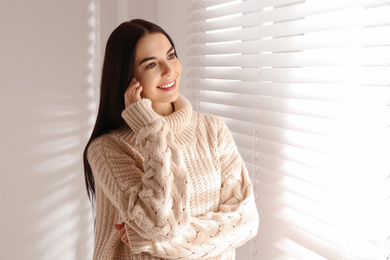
{"points": [[239, 126], [370, 153], [251, 33], [327, 162], [375, 115], [315, 7], [360, 132], [246, 6], [347, 56], [242, 141], [374, 56], [329, 21], [245, 114], [329, 230], [351, 168], [375, 193], [225, 61], [291, 204], [247, 74], [330, 39], [246, 154], [343, 74], [361, 248], [230, 86], [196, 5], [348, 93], [319, 109], [239, 20], [233, 99], [274, 229], [225, 48], [297, 196]]}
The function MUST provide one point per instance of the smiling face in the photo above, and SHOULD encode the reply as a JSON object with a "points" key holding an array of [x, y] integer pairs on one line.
{"points": [[157, 69]]}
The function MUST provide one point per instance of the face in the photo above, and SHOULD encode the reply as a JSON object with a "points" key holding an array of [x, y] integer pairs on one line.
{"points": [[157, 68]]}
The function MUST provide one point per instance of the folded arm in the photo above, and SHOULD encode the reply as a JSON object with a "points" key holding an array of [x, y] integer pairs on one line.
{"points": [[213, 233]]}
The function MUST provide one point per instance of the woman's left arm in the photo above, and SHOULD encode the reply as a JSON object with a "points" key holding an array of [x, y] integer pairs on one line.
{"points": [[213, 233]]}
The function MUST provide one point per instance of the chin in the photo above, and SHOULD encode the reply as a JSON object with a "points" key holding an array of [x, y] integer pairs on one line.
{"points": [[166, 98], [176, 96], [172, 97]]}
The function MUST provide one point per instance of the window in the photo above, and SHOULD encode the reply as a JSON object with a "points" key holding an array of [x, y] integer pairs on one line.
{"points": [[304, 86]]}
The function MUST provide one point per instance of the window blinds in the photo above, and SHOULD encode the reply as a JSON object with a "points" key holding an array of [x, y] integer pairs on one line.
{"points": [[304, 86]]}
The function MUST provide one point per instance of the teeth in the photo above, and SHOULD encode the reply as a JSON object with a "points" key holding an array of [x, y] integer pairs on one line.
{"points": [[167, 85]]}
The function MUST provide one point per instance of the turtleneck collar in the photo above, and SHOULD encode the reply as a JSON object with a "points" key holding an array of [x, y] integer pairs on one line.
{"points": [[183, 122], [181, 118]]}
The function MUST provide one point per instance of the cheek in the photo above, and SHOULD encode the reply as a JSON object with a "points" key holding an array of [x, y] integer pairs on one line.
{"points": [[145, 78]]}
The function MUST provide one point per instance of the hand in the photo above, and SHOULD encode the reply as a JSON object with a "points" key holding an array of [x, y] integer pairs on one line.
{"points": [[122, 232], [133, 92]]}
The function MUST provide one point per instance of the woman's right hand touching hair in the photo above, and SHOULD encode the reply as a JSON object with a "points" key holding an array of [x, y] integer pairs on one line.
{"points": [[133, 92]]}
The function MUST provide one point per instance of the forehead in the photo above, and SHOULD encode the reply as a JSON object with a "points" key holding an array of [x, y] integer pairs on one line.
{"points": [[152, 45]]}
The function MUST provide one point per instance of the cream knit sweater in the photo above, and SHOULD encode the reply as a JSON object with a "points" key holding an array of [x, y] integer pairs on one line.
{"points": [[177, 182]]}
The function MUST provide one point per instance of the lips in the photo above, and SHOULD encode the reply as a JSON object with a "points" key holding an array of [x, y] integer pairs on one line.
{"points": [[168, 85]]}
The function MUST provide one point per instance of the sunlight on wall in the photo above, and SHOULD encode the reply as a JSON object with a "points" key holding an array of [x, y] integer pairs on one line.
{"points": [[93, 78], [46, 213]]}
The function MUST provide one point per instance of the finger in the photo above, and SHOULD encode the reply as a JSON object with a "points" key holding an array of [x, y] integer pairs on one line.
{"points": [[119, 226], [122, 231], [130, 92], [137, 94], [124, 239], [132, 81], [132, 87]]}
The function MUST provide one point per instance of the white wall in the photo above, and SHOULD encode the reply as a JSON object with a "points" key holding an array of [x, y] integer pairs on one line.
{"points": [[44, 55], [144, 9], [50, 62]]}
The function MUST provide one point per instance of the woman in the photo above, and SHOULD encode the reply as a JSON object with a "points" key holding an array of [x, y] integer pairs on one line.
{"points": [[168, 181]]}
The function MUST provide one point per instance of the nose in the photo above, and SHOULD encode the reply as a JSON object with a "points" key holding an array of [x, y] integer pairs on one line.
{"points": [[166, 69]]}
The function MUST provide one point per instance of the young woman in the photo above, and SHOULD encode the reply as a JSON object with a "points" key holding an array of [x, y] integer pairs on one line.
{"points": [[168, 182]]}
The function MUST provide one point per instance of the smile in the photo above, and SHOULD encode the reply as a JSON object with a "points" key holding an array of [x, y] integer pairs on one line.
{"points": [[168, 85]]}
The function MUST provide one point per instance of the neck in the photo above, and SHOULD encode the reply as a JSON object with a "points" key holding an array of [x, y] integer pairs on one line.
{"points": [[163, 109]]}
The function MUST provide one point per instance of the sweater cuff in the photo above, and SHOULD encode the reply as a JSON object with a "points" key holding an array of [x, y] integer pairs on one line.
{"points": [[137, 243], [139, 114]]}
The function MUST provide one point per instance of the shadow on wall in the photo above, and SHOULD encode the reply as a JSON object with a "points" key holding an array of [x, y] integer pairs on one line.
{"points": [[46, 110], [53, 213]]}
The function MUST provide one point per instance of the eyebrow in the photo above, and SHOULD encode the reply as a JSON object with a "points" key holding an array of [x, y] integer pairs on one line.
{"points": [[152, 58]]}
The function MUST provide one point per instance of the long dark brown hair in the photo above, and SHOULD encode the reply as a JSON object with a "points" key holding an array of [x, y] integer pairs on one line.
{"points": [[116, 76]]}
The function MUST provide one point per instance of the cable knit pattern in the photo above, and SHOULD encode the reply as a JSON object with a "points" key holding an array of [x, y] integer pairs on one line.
{"points": [[177, 182]]}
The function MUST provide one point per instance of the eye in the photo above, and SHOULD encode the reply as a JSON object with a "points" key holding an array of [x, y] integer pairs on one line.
{"points": [[171, 56], [151, 65]]}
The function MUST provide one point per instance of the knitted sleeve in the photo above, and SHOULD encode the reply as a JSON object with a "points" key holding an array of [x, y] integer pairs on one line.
{"points": [[232, 225], [153, 201]]}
